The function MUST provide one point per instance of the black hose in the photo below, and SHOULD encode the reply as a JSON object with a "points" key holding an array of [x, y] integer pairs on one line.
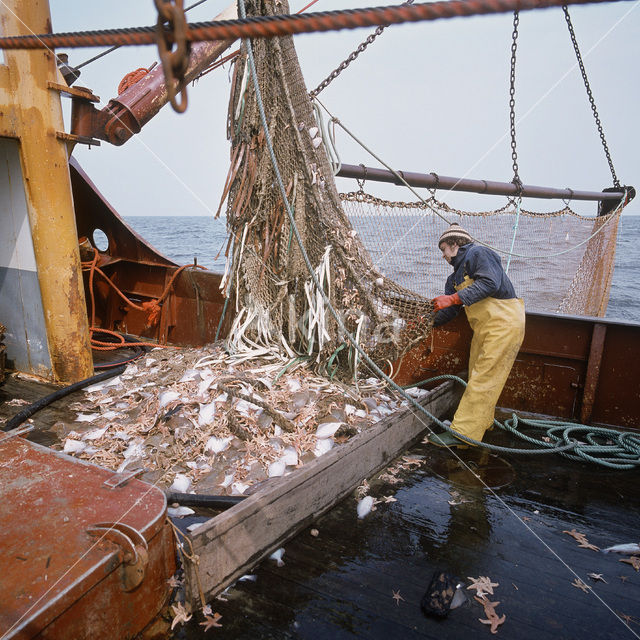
{"points": [[27, 412], [204, 501], [138, 351]]}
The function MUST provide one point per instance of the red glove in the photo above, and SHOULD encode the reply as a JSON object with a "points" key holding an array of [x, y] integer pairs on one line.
{"points": [[442, 302]]}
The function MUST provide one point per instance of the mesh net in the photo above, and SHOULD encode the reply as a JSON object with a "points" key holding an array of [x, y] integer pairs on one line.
{"points": [[561, 262], [275, 300], [377, 262]]}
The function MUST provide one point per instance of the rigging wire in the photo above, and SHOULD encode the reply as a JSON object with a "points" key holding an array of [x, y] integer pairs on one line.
{"points": [[349, 59], [281, 25], [117, 46]]}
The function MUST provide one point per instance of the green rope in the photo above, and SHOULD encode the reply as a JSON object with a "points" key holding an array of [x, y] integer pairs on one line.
{"points": [[606, 447], [290, 364], [332, 372]]}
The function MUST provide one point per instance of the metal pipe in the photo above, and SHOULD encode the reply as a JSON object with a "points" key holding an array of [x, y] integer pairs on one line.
{"points": [[435, 181]]}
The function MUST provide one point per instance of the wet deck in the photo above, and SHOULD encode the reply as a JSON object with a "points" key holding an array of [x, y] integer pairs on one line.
{"points": [[341, 583]]}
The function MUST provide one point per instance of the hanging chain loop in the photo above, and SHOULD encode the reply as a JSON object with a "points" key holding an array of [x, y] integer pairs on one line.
{"points": [[352, 56], [592, 102], [512, 102], [174, 63]]}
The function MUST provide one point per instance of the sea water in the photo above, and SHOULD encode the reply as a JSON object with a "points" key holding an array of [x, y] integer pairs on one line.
{"points": [[183, 238]]}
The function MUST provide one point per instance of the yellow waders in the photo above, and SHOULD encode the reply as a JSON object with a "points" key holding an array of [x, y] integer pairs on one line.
{"points": [[498, 330]]}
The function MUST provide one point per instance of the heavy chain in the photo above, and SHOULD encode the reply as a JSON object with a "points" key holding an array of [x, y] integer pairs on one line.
{"points": [[616, 182], [174, 63], [352, 56], [512, 100]]}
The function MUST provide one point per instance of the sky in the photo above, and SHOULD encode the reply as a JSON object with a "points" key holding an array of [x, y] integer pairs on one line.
{"points": [[431, 96]]}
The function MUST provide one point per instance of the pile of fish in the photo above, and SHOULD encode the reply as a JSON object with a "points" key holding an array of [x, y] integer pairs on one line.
{"points": [[198, 420]]}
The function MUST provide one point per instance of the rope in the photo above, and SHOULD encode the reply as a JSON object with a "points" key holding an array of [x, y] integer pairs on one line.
{"points": [[515, 231], [282, 25], [131, 78], [151, 308], [354, 343], [606, 447]]}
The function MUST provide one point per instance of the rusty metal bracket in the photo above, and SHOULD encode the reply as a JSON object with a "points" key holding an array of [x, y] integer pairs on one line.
{"points": [[134, 546], [74, 92], [70, 137]]}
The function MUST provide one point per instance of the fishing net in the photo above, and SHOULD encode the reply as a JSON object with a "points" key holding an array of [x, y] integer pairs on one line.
{"points": [[561, 261], [376, 261], [275, 299]]}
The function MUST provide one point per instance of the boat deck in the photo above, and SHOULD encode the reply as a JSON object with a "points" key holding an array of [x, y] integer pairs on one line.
{"points": [[341, 583]]}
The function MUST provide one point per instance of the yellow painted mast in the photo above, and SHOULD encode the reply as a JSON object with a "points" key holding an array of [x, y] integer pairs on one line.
{"points": [[31, 114]]}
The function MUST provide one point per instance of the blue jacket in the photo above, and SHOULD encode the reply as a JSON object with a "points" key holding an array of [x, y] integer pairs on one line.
{"points": [[483, 266]]}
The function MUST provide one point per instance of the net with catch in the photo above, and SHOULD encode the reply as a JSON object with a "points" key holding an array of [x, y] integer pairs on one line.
{"points": [[275, 300]]}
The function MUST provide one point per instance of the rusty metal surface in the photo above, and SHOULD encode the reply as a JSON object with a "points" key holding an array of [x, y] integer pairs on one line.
{"points": [[58, 580], [593, 371], [192, 310], [561, 369], [31, 112], [125, 115]]}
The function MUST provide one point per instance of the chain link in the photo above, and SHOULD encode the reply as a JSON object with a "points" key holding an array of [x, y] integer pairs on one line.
{"points": [[174, 62], [616, 182], [352, 56], [512, 101]]}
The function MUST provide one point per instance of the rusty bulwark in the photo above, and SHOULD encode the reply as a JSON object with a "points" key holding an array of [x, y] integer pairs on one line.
{"points": [[569, 367]]}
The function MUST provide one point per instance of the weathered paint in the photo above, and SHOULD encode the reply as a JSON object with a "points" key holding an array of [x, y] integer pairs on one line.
{"points": [[567, 367], [58, 580], [32, 113]]}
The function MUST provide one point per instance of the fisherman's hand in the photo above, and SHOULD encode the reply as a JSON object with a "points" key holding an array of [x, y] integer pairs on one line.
{"points": [[442, 302]]}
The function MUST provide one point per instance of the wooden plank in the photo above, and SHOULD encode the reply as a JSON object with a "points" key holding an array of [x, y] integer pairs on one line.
{"points": [[237, 539]]}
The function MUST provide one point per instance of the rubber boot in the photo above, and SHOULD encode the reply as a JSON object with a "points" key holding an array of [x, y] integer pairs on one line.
{"points": [[447, 439]]}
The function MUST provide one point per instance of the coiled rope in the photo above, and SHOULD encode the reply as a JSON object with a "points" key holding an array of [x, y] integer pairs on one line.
{"points": [[606, 447], [152, 308], [630, 443]]}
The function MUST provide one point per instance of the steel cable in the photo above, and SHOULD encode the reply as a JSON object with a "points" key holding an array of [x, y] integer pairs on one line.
{"points": [[281, 25]]}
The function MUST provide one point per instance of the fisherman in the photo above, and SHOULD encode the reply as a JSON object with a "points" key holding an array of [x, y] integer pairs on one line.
{"points": [[496, 315]]}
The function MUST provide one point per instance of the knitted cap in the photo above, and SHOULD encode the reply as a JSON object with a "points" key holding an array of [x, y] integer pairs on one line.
{"points": [[455, 230]]}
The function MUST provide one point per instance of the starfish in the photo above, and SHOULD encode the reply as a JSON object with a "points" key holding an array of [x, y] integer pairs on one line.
{"points": [[489, 607], [596, 577], [495, 622], [634, 561], [623, 578], [182, 615], [174, 582], [580, 585], [582, 540], [388, 499], [397, 597], [210, 622], [482, 585]]}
